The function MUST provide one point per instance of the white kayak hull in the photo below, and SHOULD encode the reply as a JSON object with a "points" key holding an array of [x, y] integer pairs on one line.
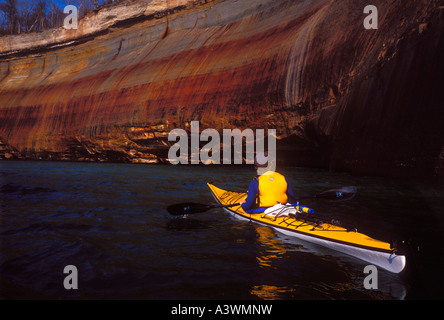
{"points": [[386, 260]]}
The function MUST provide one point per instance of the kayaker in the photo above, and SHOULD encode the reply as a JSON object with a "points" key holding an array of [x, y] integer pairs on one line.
{"points": [[267, 189]]}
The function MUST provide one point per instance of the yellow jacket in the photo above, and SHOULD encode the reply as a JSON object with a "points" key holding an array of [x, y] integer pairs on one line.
{"points": [[272, 189]]}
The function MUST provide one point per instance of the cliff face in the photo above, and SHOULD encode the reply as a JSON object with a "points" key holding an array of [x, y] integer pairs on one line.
{"points": [[339, 95]]}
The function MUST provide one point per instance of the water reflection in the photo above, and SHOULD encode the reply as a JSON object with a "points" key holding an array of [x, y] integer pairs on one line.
{"points": [[271, 251], [272, 248], [338, 275], [267, 292]]}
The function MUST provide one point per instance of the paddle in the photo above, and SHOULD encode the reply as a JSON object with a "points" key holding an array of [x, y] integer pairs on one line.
{"points": [[180, 209], [340, 194]]}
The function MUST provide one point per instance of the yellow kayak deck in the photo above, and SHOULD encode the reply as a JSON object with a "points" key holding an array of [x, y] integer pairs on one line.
{"points": [[326, 231]]}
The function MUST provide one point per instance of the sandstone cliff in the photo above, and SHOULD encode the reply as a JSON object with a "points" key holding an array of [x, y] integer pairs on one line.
{"points": [[340, 96]]}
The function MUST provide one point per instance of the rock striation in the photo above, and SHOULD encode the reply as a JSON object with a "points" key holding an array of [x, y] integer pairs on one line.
{"points": [[339, 95]]}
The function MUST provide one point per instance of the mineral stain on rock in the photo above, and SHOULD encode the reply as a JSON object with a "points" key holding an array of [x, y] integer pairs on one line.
{"points": [[339, 95]]}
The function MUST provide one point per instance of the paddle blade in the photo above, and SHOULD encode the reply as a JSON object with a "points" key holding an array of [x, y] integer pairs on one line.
{"points": [[180, 209], [340, 194]]}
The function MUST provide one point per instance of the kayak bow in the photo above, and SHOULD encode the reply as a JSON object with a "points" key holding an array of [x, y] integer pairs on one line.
{"points": [[328, 235]]}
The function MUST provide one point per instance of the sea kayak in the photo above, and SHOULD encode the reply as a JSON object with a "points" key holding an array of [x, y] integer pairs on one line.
{"points": [[332, 236]]}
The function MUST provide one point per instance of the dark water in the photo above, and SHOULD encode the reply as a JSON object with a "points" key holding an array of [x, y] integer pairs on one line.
{"points": [[109, 220]]}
